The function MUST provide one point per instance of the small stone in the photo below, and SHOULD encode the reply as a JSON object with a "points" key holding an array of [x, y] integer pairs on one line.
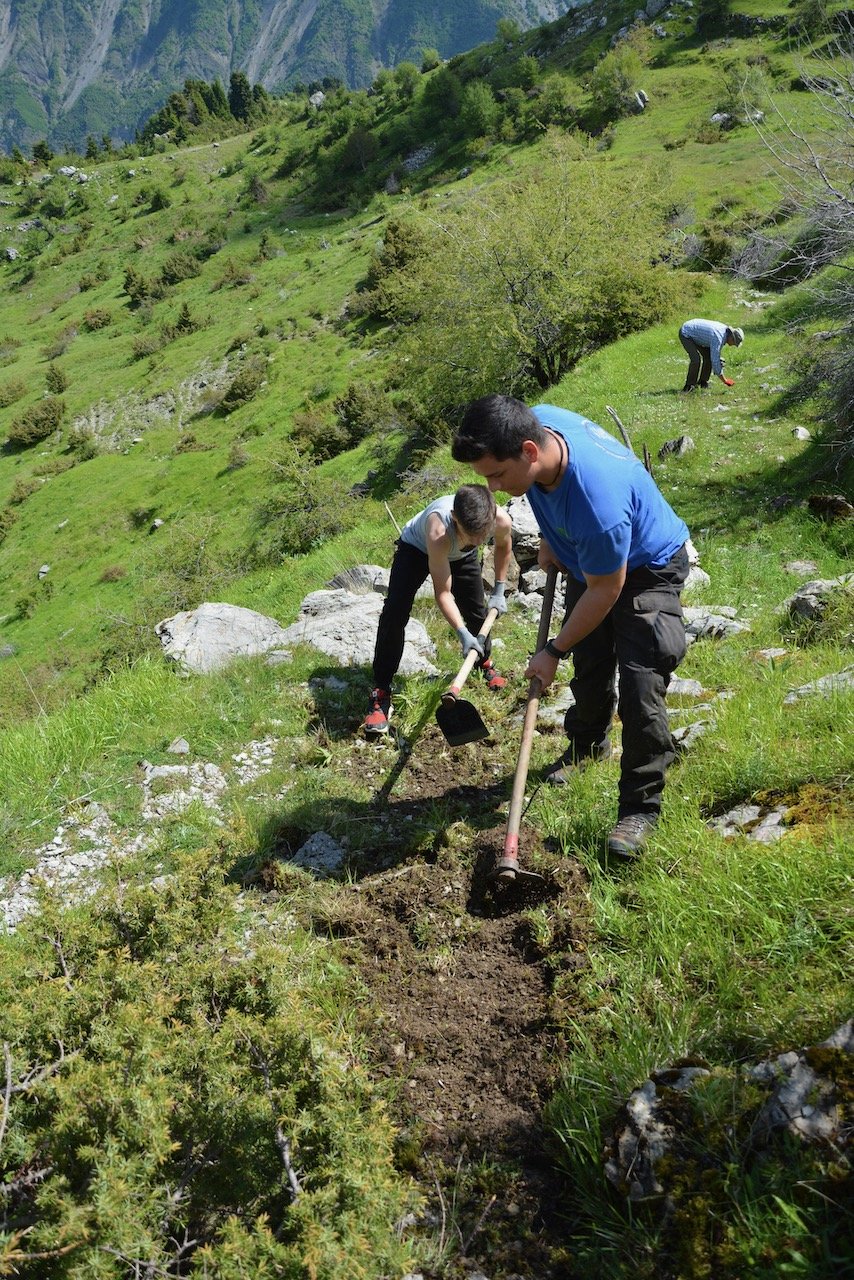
{"points": [[179, 747]]}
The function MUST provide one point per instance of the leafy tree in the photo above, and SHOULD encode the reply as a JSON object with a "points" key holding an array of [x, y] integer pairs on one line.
{"points": [[441, 97], [816, 174], [479, 111], [510, 293], [616, 77], [407, 77], [508, 31], [712, 16], [430, 59], [360, 149]]}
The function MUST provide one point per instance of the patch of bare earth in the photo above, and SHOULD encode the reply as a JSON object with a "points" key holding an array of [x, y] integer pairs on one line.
{"points": [[467, 1024]]}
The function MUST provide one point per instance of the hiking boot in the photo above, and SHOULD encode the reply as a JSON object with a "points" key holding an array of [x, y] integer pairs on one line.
{"points": [[630, 834], [494, 681], [375, 723], [557, 774]]}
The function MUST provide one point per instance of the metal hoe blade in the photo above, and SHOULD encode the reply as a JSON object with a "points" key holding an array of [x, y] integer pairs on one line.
{"points": [[460, 722]]}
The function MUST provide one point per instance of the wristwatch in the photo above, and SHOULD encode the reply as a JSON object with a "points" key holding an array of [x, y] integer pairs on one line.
{"points": [[552, 649]]}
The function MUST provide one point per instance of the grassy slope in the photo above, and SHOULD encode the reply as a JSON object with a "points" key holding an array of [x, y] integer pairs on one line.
{"points": [[726, 950]]}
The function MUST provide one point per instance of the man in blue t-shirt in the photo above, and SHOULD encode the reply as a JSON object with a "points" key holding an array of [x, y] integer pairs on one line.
{"points": [[605, 523]]}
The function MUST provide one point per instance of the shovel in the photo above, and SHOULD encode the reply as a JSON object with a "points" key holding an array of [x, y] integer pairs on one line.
{"points": [[507, 867], [459, 720]]}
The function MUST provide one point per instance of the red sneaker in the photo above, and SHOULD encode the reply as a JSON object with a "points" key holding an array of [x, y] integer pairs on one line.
{"points": [[375, 723], [494, 681]]}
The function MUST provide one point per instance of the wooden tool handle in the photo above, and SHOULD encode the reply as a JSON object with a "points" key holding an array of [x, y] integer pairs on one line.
{"points": [[535, 689], [453, 691]]}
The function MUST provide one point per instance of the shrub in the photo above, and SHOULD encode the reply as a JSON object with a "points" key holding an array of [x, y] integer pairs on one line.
{"points": [[183, 1072], [26, 605], [314, 434], [22, 489], [183, 324], [158, 199], [188, 443], [61, 342], [53, 466], [56, 379], [238, 456], [12, 391], [113, 573], [84, 444], [146, 344], [97, 318], [179, 266], [245, 386], [304, 510], [8, 516], [40, 421], [9, 348]]}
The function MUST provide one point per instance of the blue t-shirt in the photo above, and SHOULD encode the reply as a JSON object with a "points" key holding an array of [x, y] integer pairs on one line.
{"points": [[607, 510]]}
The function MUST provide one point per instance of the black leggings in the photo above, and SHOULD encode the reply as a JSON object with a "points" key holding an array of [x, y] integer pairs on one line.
{"points": [[409, 569]]}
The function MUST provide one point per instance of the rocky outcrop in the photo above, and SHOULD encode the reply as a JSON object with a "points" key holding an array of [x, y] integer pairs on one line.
{"points": [[208, 638], [666, 1136], [344, 626]]}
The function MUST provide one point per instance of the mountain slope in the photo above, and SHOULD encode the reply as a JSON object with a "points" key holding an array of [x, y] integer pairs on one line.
{"points": [[105, 65]]}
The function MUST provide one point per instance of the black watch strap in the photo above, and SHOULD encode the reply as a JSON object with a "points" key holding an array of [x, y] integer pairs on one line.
{"points": [[551, 648]]}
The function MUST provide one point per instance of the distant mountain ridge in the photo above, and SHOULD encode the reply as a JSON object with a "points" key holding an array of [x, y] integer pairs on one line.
{"points": [[103, 66]]}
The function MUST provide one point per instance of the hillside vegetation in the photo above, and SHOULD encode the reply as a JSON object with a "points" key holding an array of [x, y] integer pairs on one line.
{"points": [[91, 69], [222, 362]]}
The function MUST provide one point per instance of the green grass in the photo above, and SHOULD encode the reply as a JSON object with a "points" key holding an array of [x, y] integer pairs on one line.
{"points": [[728, 950]]}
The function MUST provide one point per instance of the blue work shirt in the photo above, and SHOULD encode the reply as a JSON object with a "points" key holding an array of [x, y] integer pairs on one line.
{"points": [[607, 510]]}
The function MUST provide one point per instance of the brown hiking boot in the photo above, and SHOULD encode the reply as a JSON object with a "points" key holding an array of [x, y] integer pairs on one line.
{"points": [[630, 834]]}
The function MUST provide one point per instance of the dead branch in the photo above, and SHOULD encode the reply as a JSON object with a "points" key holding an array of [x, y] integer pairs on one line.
{"points": [[283, 1143]]}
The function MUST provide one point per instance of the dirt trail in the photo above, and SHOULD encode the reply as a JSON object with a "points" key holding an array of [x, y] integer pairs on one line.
{"points": [[467, 1024]]}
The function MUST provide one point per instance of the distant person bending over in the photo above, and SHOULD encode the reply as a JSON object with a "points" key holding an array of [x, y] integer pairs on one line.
{"points": [[703, 340], [442, 541], [604, 522]]}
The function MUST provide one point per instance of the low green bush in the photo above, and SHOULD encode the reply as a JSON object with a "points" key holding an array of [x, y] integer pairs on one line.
{"points": [[190, 1100], [23, 488], [56, 379], [245, 386], [179, 266], [39, 421], [12, 391]]}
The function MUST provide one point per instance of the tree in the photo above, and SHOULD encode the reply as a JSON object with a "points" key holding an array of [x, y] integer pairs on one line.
{"points": [[479, 111], [441, 97], [42, 153], [616, 77], [239, 96], [407, 77], [507, 31], [815, 175], [508, 294], [93, 151], [431, 58]]}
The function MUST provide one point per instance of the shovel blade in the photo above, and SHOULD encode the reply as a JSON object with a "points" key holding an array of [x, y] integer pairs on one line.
{"points": [[460, 722]]}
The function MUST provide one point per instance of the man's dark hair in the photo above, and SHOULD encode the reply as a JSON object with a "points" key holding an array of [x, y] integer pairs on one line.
{"points": [[474, 507], [496, 425]]}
